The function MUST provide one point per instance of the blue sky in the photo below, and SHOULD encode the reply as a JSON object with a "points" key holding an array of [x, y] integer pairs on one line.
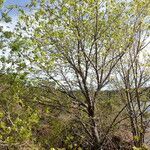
{"points": [[13, 13], [18, 2], [15, 2]]}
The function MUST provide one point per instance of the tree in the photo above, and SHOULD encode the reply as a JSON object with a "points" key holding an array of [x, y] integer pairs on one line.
{"points": [[132, 76], [76, 45]]}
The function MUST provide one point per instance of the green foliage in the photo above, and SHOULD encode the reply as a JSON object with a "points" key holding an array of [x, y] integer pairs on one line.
{"points": [[7, 34], [6, 17], [1, 3], [17, 117], [142, 148]]}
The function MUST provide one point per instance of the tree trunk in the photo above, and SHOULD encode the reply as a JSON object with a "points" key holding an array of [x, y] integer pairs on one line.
{"points": [[94, 129]]}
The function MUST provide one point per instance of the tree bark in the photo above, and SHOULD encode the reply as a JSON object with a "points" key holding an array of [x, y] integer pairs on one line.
{"points": [[94, 129]]}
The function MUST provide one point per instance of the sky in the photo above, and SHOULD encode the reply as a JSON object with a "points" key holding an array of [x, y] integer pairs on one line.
{"points": [[13, 13], [18, 2], [14, 2]]}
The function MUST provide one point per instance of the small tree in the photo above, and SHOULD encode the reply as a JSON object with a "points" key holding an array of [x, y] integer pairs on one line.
{"points": [[132, 74]]}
